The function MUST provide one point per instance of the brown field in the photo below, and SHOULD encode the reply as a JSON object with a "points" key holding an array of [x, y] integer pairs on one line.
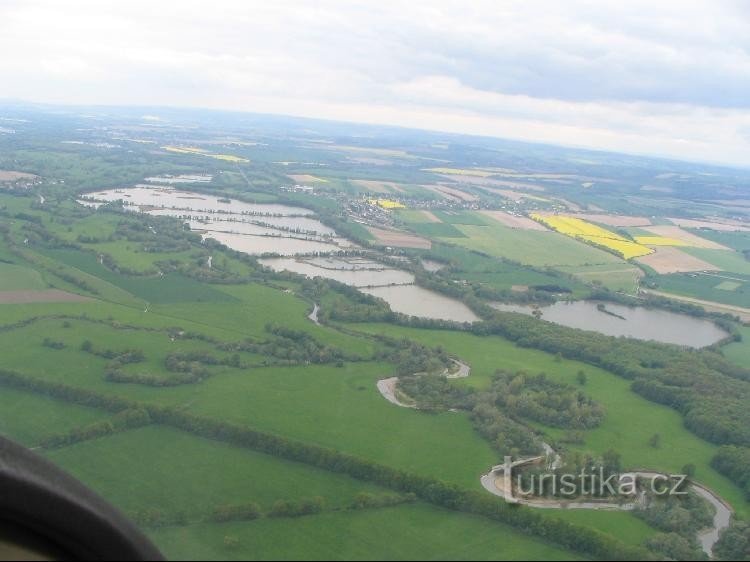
{"points": [[430, 216], [372, 161], [617, 221], [668, 259], [684, 236], [493, 182], [9, 176], [30, 297], [570, 205], [451, 194], [515, 196], [379, 186], [720, 225], [306, 178], [513, 221], [398, 239]]}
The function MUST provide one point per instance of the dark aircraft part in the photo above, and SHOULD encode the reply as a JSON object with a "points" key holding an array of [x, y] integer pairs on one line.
{"points": [[46, 514]]}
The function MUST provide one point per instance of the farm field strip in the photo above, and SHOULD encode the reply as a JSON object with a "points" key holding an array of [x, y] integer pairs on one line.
{"points": [[688, 238], [668, 259], [399, 239], [514, 221], [582, 230], [616, 221]]}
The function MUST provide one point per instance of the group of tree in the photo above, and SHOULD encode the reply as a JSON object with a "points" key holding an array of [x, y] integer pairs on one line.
{"points": [[734, 543], [123, 421], [734, 463], [296, 347], [538, 398], [411, 357], [685, 516], [434, 392]]}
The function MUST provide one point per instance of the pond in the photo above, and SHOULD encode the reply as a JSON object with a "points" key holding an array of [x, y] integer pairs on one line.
{"points": [[357, 273], [636, 322], [394, 286], [422, 303], [246, 227]]}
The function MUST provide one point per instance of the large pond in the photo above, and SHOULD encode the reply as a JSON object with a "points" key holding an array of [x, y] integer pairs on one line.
{"points": [[394, 286], [636, 322], [417, 301], [246, 227], [354, 272]]}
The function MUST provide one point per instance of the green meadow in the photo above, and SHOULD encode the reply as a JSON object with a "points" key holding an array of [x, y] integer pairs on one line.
{"points": [[415, 532], [191, 476], [17, 278]]}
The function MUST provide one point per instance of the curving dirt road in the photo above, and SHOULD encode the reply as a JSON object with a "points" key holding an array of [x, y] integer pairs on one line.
{"points": [[388, 387], [496, 484]]}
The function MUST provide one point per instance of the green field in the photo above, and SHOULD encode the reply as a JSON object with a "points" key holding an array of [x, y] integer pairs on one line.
{"points": [[531, 247], [725, 288], [740, 352], [499, 274], [29, 418], [467, 218], [624, 277], [739, 241], [17, 278], [169, 288], [416, 532], [192, 476], [729, 262]]}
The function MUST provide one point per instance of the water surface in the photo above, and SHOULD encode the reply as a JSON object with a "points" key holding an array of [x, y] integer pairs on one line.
{"points": [[636, 322]]}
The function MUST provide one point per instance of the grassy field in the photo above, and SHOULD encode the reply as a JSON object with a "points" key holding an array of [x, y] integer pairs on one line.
{"points": [[330, 406], [417, 532], [730, 262], [531, 247], [725, 288], [739, 241], [501, 275], [740, 352], [15, 277], [630, 422], [623, 277], [29, 418], [622, 525], [192, 476], [169, 288]]}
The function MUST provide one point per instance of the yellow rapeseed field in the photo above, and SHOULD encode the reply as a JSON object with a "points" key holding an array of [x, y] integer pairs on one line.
{"points": [[387, 204], [660, 241], [588, 232], [201, 152]]}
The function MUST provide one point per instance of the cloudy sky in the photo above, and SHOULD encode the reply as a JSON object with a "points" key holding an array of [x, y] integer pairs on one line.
{"points": [[665, 77]]}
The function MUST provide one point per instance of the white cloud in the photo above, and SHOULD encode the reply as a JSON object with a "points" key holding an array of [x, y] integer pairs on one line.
{"points": [[667, 77]]}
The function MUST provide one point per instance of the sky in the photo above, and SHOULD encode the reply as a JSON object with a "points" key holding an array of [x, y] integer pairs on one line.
{"points": [[660, 77]]}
